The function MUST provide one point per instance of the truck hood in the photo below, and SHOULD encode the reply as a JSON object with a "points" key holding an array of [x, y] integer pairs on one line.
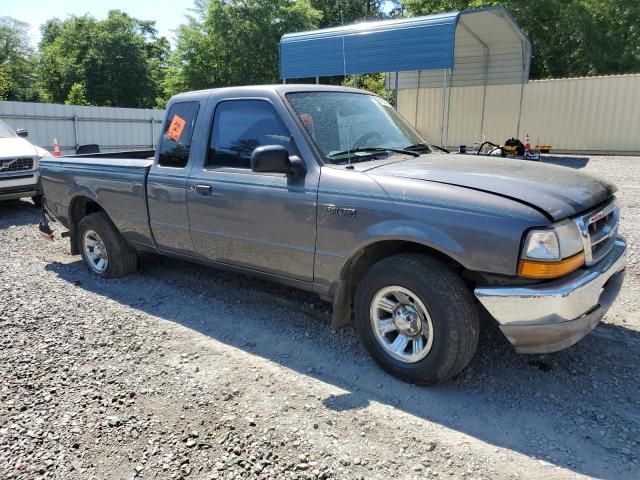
{"points": [[560, 192], [14, 147]]}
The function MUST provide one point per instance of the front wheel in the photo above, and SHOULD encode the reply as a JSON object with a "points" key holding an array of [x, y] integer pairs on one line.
{"points": [[104, 250], [416, 318]]}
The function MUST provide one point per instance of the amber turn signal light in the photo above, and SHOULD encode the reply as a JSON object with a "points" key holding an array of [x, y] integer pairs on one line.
{"points": [[535, 269]]}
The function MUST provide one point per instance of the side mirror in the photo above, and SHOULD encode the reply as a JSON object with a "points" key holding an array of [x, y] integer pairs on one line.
{"points": [[21, 132], [271, 159]]}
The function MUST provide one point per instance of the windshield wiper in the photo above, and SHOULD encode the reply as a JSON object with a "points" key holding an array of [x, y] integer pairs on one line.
{"points": [[427, 146], [419, 147], [374, 150]]}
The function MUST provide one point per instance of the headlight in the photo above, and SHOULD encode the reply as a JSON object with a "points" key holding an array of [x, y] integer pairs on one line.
{"points": [[542, 245], [552, 252]]}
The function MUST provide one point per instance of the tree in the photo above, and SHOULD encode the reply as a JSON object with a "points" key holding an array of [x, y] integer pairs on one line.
{"points": [[342, 12], [5, 82], [16, 61], [234, 42], [569, 37], [373, 82], [77, 95], [118, 61]]}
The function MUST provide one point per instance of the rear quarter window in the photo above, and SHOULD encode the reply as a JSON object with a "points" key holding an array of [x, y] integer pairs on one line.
{"points": [[175, 144]]}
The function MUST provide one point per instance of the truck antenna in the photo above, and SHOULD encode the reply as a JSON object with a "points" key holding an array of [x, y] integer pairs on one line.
{"points": [[344, 71]]}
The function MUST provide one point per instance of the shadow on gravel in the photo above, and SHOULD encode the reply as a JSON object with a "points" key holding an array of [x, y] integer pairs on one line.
{"points": [[566, 161], [18, 212], [577, 409]]}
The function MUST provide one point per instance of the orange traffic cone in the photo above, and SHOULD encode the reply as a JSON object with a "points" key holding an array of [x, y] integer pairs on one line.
{"points": [[56, 148], [527, 145]]}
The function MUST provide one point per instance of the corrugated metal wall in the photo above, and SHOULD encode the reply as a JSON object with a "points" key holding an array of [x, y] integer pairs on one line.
{"points": [[111, 128], [591, 114]]}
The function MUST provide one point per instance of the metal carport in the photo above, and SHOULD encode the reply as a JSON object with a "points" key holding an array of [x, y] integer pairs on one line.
{"points": [[472, 47]]}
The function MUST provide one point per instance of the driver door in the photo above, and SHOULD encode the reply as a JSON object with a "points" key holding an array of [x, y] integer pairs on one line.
{"points": [[262, 221]]}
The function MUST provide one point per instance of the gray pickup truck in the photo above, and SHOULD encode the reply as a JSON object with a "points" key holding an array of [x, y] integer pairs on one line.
{"points": [[329, 190]]}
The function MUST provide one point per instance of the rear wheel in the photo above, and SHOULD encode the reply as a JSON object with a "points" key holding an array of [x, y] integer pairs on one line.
{"points": [[416, 318], [104, 250]]}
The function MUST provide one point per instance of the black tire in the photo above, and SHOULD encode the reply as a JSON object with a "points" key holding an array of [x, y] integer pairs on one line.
{"points": [[449, 303], [122, 258], [37, 201]]}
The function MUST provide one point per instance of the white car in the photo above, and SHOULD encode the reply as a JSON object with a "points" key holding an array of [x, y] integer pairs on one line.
{"points": [[19, 175]]}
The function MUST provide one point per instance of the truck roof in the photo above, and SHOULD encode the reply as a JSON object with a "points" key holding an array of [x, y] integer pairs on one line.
{"points": [[258, 89]]}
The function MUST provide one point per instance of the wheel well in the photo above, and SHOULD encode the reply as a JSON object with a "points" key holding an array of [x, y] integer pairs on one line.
{"points": [[80, 208], [358, 265]]}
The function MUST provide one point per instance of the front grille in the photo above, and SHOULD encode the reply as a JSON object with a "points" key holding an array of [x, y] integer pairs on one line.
{"points": [[15, 165], [599, 228]]}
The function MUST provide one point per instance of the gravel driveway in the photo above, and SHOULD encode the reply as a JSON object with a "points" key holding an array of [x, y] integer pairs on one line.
{"points": [[184, 371]]}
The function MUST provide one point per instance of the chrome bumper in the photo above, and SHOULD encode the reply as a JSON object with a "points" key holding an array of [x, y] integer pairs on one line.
{"points": [[554, 315]]}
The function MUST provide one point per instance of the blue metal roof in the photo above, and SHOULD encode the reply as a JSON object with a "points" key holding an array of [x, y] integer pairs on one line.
{"points": [[434, 42], [386, 46]]}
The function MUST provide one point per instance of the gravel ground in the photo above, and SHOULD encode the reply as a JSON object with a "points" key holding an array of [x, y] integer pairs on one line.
{"points": [[184, 371]]}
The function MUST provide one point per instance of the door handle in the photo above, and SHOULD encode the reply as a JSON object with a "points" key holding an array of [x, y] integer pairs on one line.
{"points": [[203, 189]]}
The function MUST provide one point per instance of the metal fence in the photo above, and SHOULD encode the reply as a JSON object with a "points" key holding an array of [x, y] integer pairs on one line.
{"points": [[111, 128], [588, 115]]}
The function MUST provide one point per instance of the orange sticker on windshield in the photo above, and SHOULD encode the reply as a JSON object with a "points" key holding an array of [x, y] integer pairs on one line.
{"points": [[175, 129]]}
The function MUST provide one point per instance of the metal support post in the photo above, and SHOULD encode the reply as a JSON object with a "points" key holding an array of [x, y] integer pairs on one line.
{"points": [[446, 132], [520, 110], [487, 53], [415, 122], [442, 107], [75, 129], [522, 80], [395, 99]]}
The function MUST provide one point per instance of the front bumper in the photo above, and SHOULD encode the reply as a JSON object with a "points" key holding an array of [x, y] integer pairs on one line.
{"points": [[19, 185], [550, 316]]}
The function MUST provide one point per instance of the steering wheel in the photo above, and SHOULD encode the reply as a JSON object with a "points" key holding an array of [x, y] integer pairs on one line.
{"points": [[366, 137]]}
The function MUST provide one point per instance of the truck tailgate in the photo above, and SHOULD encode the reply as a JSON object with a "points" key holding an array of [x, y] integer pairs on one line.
{"points": [[118, 185]]}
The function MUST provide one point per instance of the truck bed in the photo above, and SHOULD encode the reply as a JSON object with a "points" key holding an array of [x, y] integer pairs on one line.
{"points": [[116, 184]]}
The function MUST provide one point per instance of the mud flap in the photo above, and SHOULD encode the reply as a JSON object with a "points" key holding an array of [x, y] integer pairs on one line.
{"points": [[341, 315], [43, 226]]}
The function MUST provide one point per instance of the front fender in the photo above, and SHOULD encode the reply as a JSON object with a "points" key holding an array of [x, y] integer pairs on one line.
{"points": [[412, 231]]}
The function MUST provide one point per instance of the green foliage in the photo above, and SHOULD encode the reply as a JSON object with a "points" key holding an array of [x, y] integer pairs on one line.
{"points": [[5, 82], [234, 42], [373, 82], [16, 61], [116, 62], [77, 95], [569, 37], [340, 12]]}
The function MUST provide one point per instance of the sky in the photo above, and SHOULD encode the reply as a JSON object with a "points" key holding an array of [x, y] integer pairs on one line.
{"points": [[168, 14]]}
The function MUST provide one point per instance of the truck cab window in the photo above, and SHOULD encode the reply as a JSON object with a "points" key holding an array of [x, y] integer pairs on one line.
{"points": [[176, 138], [239, 127]]}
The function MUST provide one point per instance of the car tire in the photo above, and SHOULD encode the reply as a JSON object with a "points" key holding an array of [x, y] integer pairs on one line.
{"points": [[440, 342], [104, 250]]}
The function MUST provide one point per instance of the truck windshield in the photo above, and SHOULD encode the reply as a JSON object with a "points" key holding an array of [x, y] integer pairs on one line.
{"points": [[347, 126], [5, 131]]}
